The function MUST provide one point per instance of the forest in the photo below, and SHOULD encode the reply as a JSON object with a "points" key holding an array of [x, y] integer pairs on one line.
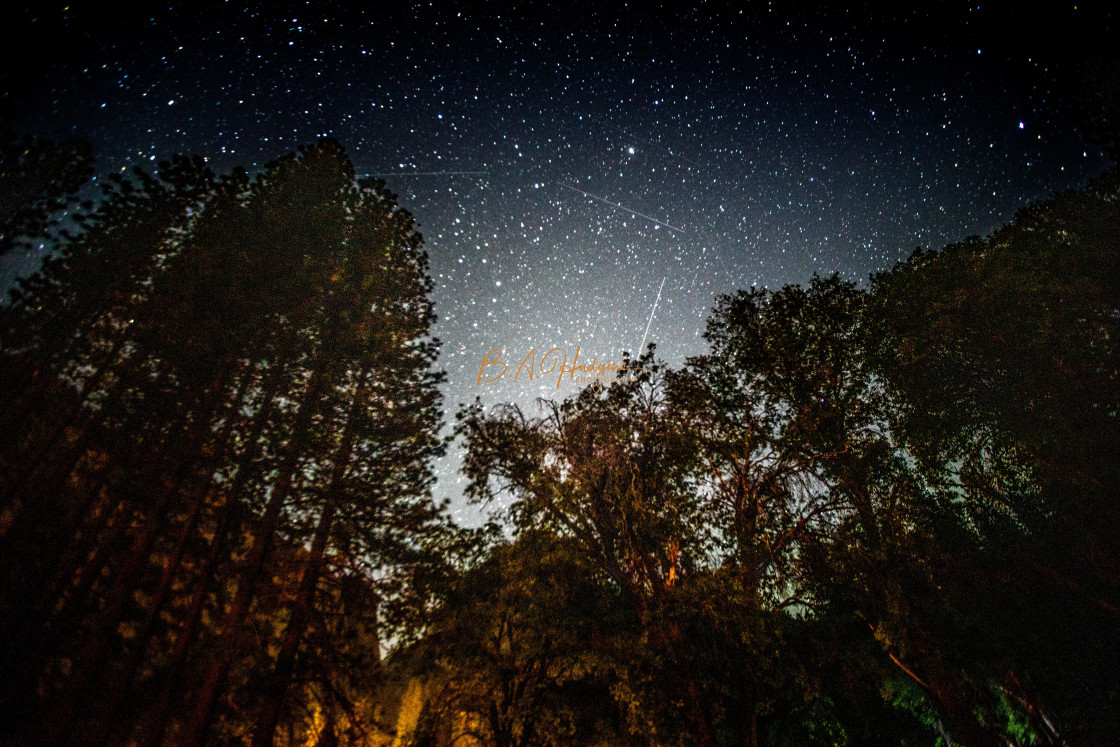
{"points": [[873, 514]]}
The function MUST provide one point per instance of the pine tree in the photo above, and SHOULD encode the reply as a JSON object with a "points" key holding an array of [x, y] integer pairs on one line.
{"points": [[239, 415]]}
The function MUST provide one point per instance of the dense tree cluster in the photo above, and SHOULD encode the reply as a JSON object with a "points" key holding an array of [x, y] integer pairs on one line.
{"points": [[218, 421], [865, 517]]}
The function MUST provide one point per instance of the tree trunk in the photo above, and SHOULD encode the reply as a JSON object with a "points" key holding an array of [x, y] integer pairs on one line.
{"points": [[301, 608], [962, 721], [230, 519], [205, 494], [293, 635], [228, 526], [214, 679]]}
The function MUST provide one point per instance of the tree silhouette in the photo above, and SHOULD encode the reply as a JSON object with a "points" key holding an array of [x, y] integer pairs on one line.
{"points": [[37, 179], [225, 391]]}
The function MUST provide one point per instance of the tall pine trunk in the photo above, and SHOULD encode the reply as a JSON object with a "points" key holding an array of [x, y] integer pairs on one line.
{"points": [[214, 678], [301, 607]]}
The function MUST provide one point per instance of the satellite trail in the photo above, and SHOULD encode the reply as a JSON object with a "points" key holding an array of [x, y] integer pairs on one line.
{"points": [[427, 173], [621, 207]]}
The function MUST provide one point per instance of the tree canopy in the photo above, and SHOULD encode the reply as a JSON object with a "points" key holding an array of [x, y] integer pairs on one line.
{"points": [[216, 486], [921, 475], [864, 516]]}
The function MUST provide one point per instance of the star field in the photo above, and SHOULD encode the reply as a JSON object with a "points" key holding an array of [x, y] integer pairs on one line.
{"points": [[565, 164]]}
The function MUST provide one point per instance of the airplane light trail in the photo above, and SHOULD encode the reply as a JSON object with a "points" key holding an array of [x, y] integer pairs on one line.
{"points": [[621, 207]]}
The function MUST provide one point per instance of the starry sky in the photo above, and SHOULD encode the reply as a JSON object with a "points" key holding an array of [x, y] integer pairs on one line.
{"points": [[592, 175]]}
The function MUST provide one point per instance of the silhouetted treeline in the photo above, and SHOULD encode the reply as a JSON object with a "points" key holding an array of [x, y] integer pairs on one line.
{"points": [[865, 517], [218, 420]]}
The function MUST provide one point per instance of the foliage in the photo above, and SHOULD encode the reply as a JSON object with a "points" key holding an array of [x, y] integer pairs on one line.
{"points": [[525, 650], [863, 517], [38, 178], [922, 475], [216, 482]]}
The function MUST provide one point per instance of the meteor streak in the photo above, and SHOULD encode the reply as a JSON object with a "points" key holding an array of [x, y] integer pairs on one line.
{"points": [[651, 313], [621, 207]]}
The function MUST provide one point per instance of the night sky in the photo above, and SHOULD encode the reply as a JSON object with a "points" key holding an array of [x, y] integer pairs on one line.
{"points": [[564, 164]]}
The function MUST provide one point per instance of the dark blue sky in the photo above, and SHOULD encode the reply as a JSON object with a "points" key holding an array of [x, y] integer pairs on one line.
{"points": [[565, 163]]}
